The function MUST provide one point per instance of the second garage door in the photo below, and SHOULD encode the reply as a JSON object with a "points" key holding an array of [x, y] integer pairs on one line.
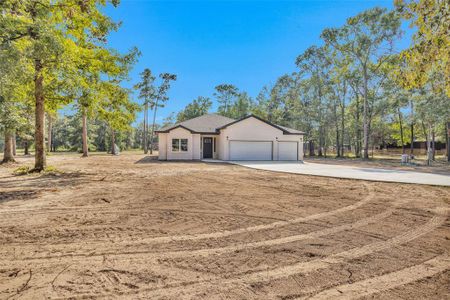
{"points": [[250, 150], [287, 151]]}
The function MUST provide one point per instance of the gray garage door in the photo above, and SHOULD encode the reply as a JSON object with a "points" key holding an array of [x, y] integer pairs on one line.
{"points": [[250, 150], [287, 150]]}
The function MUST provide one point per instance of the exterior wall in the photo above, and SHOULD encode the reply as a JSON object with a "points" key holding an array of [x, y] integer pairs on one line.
{"points": [[252, 129], [221, 145], [162, 146], [196, 140], [193, 145]]}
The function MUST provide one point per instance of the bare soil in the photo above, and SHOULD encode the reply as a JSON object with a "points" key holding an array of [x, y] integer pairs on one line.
{"points": [[131, 227]]}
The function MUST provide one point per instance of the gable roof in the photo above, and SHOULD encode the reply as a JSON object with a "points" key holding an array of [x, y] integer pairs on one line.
{"points": [[213, 123], [291, 130], [208, 123], [285, 130]]}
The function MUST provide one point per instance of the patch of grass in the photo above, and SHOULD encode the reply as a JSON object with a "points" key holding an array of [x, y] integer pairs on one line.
{"points": [[52, 170], [24, 170]]}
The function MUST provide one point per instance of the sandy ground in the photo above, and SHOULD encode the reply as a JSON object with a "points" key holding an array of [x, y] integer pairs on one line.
{"points": [[130, 227]]}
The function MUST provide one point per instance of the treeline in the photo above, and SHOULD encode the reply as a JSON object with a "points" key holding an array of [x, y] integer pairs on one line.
{"points": [[54, 53], [355, 90]]}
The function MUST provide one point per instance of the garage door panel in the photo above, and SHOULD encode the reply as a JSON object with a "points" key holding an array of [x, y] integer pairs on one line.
{"points": [[287, 150], [250, 150]]}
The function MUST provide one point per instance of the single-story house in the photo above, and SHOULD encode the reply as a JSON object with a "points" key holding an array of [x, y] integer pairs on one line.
{"points": [[217, 137]]}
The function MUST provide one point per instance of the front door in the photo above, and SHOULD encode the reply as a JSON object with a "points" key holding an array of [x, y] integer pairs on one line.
{"points": [[207, 147]]}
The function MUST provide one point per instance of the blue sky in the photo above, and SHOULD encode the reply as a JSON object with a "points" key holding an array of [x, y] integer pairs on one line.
{"points": [[206, 43]]}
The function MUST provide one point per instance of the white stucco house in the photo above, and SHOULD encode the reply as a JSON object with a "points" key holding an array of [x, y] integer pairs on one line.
{"points": [[213, 136]]}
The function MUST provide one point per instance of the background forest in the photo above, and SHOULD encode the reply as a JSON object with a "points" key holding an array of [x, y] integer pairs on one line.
{"points": [[61, 86]]}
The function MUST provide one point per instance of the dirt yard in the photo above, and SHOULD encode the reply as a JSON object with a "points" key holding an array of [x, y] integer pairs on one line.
{"points": [[135, 228]]}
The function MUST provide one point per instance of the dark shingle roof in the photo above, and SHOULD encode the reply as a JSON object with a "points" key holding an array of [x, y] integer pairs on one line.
{"points": [[212, 123], [290, 130], [285, 130], [204, 124]]}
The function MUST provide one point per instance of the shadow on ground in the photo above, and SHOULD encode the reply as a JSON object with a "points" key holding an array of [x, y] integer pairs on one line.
{"points": [[18, 195], [155, 160], [33, 184]]}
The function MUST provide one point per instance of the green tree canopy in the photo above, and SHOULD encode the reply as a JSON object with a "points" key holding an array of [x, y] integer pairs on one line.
{"points": [[430, 52], [196, 108], [225, 95]]}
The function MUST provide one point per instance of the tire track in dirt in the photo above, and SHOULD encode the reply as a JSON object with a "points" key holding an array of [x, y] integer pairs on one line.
{"points": [[104, 209], [72, 209], [226, 233], [237, 247], [303, 267], [385, 282], [285, 240], [220, 234]]}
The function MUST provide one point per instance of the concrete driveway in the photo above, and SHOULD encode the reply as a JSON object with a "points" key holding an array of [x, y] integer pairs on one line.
{"points": [[351, 172]]}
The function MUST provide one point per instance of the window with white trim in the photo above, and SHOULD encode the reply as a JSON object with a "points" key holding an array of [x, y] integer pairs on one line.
{"points": [[179, 145]]}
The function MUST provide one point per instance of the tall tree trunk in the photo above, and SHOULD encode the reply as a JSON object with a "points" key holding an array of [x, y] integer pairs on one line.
{"points": [[428, 144], [343, 126], [320, 150], [319, 100], [411, 151], [342, 107], [14, 148], [113, 142], [338, 140], [311, 148], [426, 135], [365, 116], [153, 127], [8, 155], [338, 146], [433, 144], [358, 129], [429, 151], [84, 134], [401, 130], [39, 133], [145, 141], [49, 133], [447, 135], [26, 148]]}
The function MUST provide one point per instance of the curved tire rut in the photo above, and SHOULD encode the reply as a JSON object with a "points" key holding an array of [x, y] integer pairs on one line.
{"points": [[305, 267], [385, 282]]}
